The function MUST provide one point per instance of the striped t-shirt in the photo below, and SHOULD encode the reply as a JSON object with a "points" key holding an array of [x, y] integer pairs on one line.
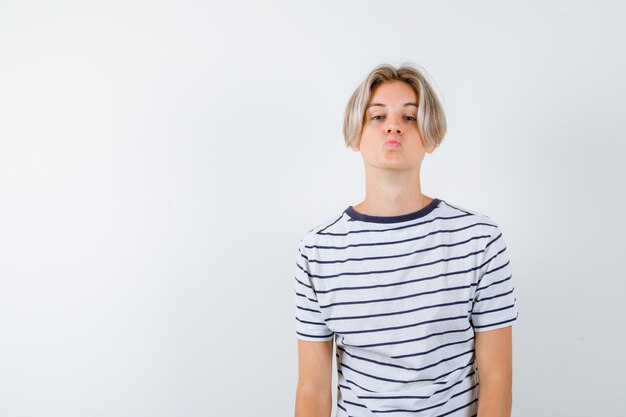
{"points": [[402, 296]]}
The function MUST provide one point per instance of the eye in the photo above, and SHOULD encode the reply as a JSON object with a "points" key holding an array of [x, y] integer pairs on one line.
{"points": [[410, 118], [378, 117]]}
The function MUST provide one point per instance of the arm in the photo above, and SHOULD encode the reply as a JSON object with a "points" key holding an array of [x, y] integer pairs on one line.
{"points": [[494, 363], [313, 395]]}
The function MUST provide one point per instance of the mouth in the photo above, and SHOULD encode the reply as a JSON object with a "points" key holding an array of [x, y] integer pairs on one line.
{"points": [[392, 143]]}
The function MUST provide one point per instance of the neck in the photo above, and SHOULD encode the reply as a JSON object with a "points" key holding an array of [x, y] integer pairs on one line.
{"points": [[392, 193]]}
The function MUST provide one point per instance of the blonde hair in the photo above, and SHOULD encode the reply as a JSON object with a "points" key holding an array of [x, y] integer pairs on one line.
{"points": [[431, 120]]}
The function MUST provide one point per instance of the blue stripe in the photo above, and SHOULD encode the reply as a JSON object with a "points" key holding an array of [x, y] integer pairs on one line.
{"points": [[391, 365], [350, 388], [356, 245], [496, 282], [498, 323], [409, 355], [393, 284], [371, 258], [413, 340], [349, 381], [313, 300], [343, 365], [395, 397], [494, 240], [308, 309], [400, 410], [413, 380], [304, 296], [471, 364], [456, 383], [491, 259], [382, 329], [494, 296], [457, 208], [302, 283], [311, 322], [474, 313], [319, 232], [404, 268], [458, 408], [404, 297], [303, 269], [339, 405], [353, 403], [395, 313], [498, 268]]}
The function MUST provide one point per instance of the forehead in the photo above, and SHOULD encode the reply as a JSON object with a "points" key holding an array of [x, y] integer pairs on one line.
{"points": [[393, 91]]}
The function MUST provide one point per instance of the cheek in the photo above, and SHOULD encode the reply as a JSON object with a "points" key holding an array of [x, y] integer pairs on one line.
{"points": [[367, 130], [366, 138], [412, 127], [367, 148]]}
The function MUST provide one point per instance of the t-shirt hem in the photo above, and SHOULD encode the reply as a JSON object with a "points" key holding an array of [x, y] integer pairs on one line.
{"points": [[496, 326], [315, 338]]}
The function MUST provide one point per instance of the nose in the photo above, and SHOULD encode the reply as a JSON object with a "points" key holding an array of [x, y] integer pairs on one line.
{"points": [[393, 126], [393, 129]]}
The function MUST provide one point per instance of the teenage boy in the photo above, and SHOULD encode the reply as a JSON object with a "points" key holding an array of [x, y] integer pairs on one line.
{"points": [[416, 293]]}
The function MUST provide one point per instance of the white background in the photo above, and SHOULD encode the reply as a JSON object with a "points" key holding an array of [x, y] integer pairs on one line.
{"points": [[160, 160]]}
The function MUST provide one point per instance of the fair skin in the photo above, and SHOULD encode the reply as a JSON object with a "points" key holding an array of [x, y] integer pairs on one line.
{"points": [[392, 152], [392, 172], [313, 395]]}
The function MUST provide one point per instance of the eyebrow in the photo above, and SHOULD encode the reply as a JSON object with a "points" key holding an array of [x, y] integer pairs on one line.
{"points": [[382, 105]]}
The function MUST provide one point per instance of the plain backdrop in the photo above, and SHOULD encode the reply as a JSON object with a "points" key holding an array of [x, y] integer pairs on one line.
{"points": [[160, 160]]}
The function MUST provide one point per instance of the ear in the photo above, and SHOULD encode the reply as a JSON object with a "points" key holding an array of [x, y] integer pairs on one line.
{"points": [[356, 147], [431, 148]]}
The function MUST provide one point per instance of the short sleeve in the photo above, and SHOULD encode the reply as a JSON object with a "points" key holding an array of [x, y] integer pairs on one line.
{"points": [[310, 324], [494, 305]]}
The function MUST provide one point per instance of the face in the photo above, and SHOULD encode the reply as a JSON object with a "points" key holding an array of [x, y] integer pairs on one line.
{"points": [[390, 139]]}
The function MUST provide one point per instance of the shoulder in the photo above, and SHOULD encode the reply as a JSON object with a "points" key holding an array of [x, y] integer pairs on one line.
{"points": [[453, 207], [490, 240], [471, 217], [328, 226]]}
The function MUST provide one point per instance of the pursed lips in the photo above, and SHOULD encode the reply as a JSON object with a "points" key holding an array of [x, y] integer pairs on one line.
{"points": [[392, 141]]}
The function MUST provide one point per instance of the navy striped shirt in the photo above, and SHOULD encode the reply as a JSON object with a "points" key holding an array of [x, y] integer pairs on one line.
{"points": [[402, 297]]}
